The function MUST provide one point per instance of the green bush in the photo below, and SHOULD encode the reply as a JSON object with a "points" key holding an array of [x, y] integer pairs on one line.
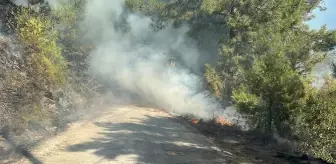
{"points": [[269, 92], [39, 39], [317, 122]]}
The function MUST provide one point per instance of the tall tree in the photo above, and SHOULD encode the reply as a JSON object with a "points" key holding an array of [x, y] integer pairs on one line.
{"points": [[248, 21], [269, 92]]}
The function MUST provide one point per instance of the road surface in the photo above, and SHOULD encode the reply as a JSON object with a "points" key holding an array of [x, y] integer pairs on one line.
{"points": [[127, 135]]}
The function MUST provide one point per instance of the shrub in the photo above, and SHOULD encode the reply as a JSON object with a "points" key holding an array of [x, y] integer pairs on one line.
{"points": [[269, 92], [42, 52], [317, 122]]}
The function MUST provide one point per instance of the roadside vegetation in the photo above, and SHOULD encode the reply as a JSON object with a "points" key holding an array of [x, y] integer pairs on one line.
{"points": [[43, 72]]}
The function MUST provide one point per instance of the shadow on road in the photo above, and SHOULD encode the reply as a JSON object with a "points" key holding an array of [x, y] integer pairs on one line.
{"points": [[151, 140], [19, 149]]}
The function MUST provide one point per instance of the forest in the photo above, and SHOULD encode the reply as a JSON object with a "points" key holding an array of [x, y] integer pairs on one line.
{"points": [[256, 55]]}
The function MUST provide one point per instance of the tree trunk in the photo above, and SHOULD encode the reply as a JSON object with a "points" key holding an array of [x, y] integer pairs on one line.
{"points": [[269, 122]]}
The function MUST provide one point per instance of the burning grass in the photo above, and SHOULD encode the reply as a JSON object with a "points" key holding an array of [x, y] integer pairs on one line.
{"points": [[246, 146], [212, 127], [222, 121], [194, 120], [218, 121]]}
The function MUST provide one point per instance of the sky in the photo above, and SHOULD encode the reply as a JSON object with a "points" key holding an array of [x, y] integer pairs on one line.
{"points": [[327, 17]]}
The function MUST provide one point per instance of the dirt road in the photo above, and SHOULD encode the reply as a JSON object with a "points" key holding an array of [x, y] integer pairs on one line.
{"points": [[127, 135]]}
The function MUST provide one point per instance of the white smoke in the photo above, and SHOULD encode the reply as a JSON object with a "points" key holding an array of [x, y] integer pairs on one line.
{"points": [[21, 2], [323, 68], [129, 54]]}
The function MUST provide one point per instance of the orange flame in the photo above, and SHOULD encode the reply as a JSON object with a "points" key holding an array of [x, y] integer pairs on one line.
{"points": [[194, 121], [221, 121]]}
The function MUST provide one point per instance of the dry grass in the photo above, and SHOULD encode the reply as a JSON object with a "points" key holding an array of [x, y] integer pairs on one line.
{"points": [[246, 146]]}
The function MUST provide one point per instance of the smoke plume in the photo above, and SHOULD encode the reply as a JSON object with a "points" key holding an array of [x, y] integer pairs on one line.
{"points": [[161, 67]]}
